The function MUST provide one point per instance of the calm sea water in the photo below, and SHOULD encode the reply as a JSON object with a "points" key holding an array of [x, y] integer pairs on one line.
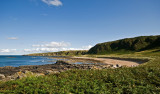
{"points": [[16, 61]]}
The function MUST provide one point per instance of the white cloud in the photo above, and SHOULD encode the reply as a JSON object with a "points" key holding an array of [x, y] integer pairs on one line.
{"points": [[53, 45], [27, 50], [8, 50], [53, 2], [41, 50], [45, 47], [87, 47], [12, 38], [56, 49]]}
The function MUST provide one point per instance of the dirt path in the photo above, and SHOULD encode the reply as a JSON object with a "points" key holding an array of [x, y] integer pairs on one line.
{"points": [[111, 61]]}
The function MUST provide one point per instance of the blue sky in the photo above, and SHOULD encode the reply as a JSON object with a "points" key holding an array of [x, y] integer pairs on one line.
{"points": [[29, 26]]}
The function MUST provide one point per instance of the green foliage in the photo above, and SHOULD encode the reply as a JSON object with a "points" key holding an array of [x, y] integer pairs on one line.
{"points": [[127, 45]]}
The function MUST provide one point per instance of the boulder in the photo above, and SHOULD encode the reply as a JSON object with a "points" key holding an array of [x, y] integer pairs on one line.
{"points": [[118, 65], [8, 78], [39, 74], [2, 76], [9, 67], [51, 72], [59, 62]]}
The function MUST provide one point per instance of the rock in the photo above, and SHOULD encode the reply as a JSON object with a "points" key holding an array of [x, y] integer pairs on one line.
{"points": [[133, 65], [9, 67], [118, 65], [95, 67], [28, 73], [114, 66], [49, 72], [13, 73], [39, 74], [2, 76], [8, 78], [56, 72], [15, 76], [59, 62], [18, 75]]}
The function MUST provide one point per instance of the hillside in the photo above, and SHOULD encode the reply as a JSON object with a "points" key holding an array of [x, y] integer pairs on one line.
{"points": [[123, 46], [61, 53], [127, 45]]}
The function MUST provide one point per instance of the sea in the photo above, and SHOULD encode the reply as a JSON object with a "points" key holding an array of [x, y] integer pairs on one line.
{"points": [[18, 60]]}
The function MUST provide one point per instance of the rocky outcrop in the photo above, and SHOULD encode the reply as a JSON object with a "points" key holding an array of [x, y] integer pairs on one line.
{"points": [[2, 76], [13, 73], [59, 62]]}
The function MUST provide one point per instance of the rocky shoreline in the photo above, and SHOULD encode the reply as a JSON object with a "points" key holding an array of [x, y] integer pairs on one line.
{"points": [[12, 73], [65, 63]]}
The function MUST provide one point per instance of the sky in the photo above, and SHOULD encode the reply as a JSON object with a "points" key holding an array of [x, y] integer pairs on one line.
{"points": [[34, 26]]}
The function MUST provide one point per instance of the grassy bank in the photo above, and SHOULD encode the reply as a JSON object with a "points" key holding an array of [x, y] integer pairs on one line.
{"points": [[144, 79]]}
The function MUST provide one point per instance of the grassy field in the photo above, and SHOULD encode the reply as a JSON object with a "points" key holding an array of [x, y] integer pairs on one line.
{"points": [[144, 79]]}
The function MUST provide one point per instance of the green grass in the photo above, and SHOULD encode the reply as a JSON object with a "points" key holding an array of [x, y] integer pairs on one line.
{"points": [[144, 79]]}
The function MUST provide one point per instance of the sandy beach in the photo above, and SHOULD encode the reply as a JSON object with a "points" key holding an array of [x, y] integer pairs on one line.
{"points": [[111, 61]]}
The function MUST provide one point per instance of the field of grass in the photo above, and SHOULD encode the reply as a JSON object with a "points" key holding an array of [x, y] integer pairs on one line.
{"points": [[144, 79]]}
